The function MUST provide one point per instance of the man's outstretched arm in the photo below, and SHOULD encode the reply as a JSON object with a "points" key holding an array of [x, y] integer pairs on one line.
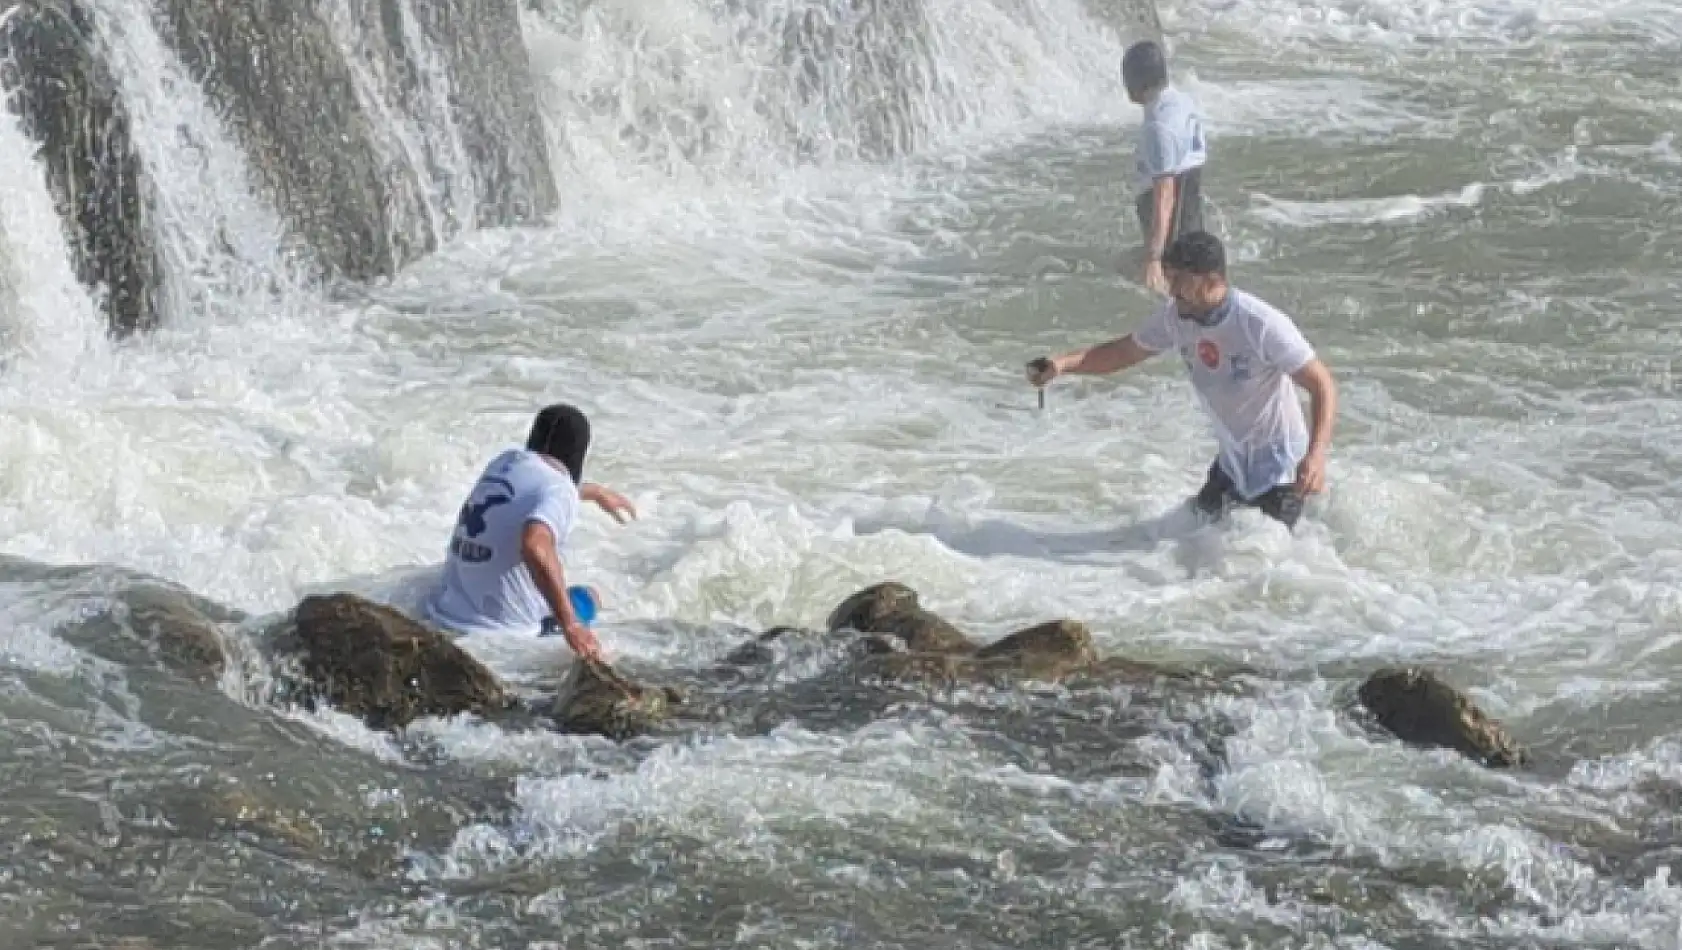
{"points": [[1105, 358]]}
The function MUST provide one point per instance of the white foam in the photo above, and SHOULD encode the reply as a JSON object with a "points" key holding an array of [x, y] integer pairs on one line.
{"points": [[792, 362], [48, 322]]}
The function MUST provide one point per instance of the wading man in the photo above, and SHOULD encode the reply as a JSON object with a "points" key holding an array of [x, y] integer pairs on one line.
{"points": [[503, 571], [1243, 356], [1169, 159]]}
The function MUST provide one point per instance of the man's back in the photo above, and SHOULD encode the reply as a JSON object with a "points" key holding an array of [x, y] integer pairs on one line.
{"points": [[485, 584], [1171, 138]]}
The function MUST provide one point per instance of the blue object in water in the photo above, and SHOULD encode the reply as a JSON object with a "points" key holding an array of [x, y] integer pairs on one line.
{"points": [[583, 604]]}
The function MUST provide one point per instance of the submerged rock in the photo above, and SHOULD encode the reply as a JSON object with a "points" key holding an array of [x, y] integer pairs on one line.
{"points": [[371, 661], [68, 102], [1418, 707], [175, 632], [760, 649]]}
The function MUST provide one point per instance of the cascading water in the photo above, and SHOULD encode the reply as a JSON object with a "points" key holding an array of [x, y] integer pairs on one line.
{"points": [[223, 246], [801, 253], [46, 317], [676, 94]]}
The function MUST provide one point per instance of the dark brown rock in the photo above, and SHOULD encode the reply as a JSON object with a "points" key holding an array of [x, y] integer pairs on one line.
{"points": [[599, 700], [1417, 707], [1048, 651], [369, 660], [891, 608]]}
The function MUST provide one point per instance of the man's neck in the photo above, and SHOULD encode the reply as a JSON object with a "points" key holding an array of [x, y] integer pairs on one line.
{"points": [[1209, 316]]}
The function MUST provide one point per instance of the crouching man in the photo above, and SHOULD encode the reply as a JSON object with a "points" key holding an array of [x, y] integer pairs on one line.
{"points": [[503, 572]]}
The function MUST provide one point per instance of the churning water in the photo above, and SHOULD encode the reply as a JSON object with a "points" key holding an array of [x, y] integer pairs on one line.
{"points": [[803, 362]]}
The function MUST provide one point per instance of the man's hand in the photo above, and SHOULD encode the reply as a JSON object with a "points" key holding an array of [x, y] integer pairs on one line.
{"points": [[610, 501], [1311, 473], [581, 638], [1042, 371], [1155, 278]]}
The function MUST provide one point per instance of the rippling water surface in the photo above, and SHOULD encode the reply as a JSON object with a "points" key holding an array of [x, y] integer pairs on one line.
{"points": [[808, 379]]}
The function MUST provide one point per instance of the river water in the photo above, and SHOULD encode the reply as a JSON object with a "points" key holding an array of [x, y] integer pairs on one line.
{"points": [[808, 378]]}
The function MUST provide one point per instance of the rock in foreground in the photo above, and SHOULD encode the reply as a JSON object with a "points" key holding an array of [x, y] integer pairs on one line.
{"points": [[599, 700], [1417, 707], [371, 661]]}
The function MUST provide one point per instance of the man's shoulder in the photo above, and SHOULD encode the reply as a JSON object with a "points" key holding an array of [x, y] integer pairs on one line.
{"points": [[528, 472], [1174, 101], [1254, 309]]}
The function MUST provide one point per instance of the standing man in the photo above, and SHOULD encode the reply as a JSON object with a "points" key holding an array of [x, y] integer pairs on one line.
{"points": [[1242, 355], [503, 572], [1168, 162]]}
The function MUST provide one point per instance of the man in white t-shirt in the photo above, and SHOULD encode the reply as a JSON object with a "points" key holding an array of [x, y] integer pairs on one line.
{"points": [[1168, 160], [1242, 355], [503, 571]]}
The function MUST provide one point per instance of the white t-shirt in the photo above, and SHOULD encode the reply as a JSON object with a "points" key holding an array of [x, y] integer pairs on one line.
{"points": [[1240, 367], [1171, 139], [486, 586]]}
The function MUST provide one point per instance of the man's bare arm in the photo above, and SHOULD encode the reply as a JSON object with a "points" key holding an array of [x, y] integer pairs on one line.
{"points": [[1105, 358], [1322, 393], [537, 550], [608, 500], [1162, 196]]}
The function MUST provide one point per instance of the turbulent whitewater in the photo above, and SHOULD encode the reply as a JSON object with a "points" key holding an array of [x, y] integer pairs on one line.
{"points": [[796, 255]]}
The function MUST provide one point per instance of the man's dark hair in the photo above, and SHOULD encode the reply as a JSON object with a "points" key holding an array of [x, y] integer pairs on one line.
{"points": [[1196, 252], [562, 433], [1144, 67]]}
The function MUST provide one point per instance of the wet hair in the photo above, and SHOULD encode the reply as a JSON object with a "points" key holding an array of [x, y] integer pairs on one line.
{"points": [[1144, 67], [562, 433], [1196, 252]]}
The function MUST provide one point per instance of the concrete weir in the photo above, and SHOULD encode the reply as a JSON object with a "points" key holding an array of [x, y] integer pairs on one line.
{"points": [[376, 129]]}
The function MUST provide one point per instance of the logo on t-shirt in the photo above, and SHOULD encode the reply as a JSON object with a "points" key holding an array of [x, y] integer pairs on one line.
{"points": [[1240, 363], [1209, 353], [470, 524]]}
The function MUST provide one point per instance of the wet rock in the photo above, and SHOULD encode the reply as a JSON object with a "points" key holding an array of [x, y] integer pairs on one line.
{"points": [[891, 608], [157, 624], [599, 700], [371, 661], [178, 635], [1419, 708], [1048, 651], [68, 103]]}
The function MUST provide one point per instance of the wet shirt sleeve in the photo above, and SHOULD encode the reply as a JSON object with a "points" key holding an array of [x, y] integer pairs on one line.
{"points": [[1280, 344], [555, 508], [1156, 332]]}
